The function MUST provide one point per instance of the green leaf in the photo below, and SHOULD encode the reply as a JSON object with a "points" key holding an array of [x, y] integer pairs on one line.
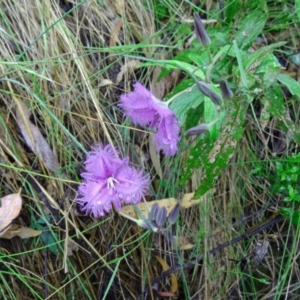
{"points": [[193, 116], [271, 62], [256, 58], [213, 169], [183, 85], [182, 56], [241, 68], [297, 8], [175, 65], [290, 83], [220, 36], [276, 102], [49, 239], [250, 28], [202, 60], [213, 158], [231, 10], [183, 101], [211, 115], [291, 214]]}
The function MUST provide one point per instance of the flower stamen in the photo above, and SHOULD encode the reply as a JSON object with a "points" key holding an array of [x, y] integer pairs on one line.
{"points": [[111, 182]]}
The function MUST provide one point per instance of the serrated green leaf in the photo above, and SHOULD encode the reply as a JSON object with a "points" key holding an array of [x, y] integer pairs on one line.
{"points": [[290, 83], [213, 158], [251, 26], [195, 159], [183, 101]]}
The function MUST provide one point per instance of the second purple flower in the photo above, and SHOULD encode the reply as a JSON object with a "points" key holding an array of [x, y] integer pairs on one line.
{"points": [[145, 109]]}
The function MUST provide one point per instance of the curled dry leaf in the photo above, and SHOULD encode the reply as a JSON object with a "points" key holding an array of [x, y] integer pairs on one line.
{"points": [[22, 232], [34, 139], [183, 243], [129, 66], [105, 82], [166, 267], [9, 210], [71, 246]]}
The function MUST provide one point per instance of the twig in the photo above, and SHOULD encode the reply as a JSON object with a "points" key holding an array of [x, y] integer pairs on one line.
{"points": [[274, 219]]}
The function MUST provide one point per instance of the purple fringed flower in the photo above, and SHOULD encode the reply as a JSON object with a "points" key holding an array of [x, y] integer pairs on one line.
{"points": [[109, 180], [140, 106], [167, 135], [145, 109]]}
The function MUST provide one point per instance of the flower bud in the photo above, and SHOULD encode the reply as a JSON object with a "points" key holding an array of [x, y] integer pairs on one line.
{"points": [[209, 92], [153, 212], [174, 214], [197, 130], [225, 90], [200, 31], [161, 217]]}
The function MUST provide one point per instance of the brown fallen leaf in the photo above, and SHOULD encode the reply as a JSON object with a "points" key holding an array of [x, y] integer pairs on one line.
{"points": [[169, 203], [22, 232], [9, 210], [34, 139]]}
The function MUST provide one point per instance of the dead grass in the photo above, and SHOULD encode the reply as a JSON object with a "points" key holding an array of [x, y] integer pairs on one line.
{"points": [[69, 69]]}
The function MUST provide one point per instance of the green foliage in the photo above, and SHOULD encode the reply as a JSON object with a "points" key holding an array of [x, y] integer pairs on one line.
{"points": [[251, 26], [290, 83], [231, 11], [213, 150], [284, 180], [48, 237], [291, 214], [185, 100], [253, 73]]}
